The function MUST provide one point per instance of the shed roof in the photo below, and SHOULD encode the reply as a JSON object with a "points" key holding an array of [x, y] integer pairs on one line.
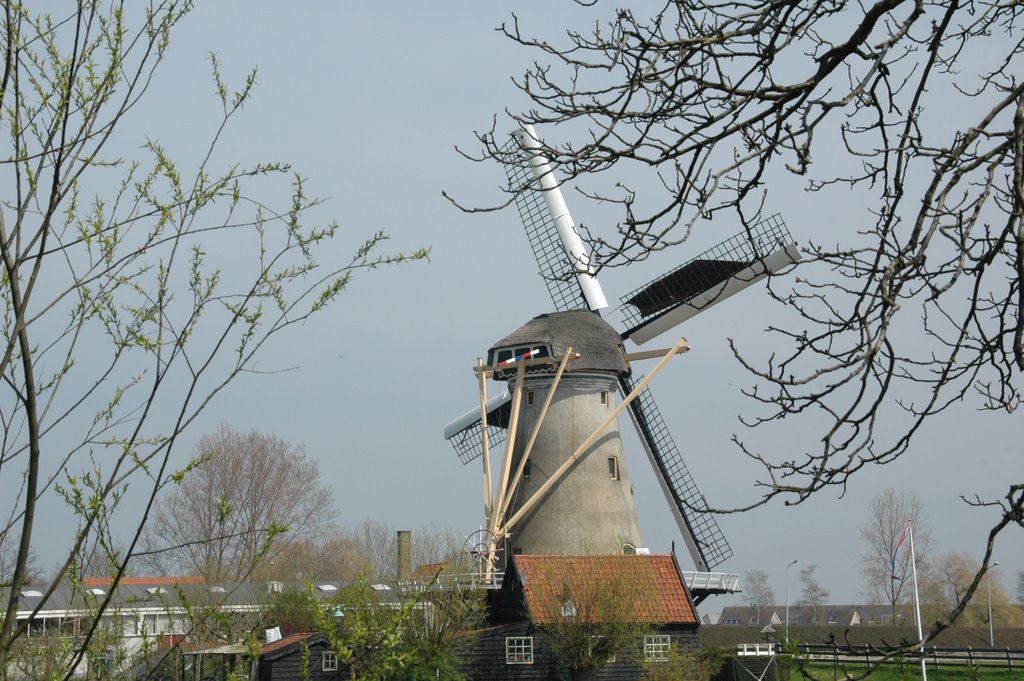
{"points": [[641, 588], [227, 649], [280, 645]]}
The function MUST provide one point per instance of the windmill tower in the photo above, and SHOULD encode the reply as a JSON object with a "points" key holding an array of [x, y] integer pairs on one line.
{"points": [[567, 484], [590, 510]]}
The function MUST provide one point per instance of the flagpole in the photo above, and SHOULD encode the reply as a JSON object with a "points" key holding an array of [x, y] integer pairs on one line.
{"points": [[917, 602]]}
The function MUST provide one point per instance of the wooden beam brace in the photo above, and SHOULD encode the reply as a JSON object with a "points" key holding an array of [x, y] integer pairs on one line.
{"points": [[651, 354], [488, 486], [581, 451], [489, 370], [517, 478], [517, 403]]}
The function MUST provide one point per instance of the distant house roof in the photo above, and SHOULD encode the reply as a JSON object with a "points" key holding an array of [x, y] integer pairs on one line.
{"points": [[430, 570], [143, 593], [710, 618], [882, 614], [746, 615], [162, 580], [594, 588]]}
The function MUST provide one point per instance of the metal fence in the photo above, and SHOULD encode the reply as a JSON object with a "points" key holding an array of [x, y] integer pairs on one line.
{"points": [[934, 656], [449, 582]]}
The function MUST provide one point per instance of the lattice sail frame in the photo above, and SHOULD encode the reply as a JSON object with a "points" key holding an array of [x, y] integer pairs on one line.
{"points": [[720, 261], [553, 263]]}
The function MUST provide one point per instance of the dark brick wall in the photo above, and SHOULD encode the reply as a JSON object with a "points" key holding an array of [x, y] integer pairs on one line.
{"points": [[484, 658]]}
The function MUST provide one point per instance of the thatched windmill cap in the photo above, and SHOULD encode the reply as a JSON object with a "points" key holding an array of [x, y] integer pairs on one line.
{"points": [[598, 344]]}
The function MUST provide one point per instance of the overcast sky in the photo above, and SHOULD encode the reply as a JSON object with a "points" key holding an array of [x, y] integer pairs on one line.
{"points": [[368, 100]]}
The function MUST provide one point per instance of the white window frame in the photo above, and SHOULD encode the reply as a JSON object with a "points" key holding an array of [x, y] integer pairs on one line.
{"points": [[329, 662], [518, 650], [657, 647]]}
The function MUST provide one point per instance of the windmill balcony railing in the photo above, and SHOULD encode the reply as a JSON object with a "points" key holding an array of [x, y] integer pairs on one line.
{"points": [[719, 582], [453, 582]]}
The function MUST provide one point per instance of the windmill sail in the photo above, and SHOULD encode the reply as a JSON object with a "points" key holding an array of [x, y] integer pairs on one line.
{"points": [[708, 279], [466, 435], [541, 208]]}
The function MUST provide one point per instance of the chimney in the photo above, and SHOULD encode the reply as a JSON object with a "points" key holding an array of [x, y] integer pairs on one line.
{"points": [[404, 555]]}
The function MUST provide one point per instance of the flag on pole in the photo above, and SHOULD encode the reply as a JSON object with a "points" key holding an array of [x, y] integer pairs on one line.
{"points": [[892, 570]]}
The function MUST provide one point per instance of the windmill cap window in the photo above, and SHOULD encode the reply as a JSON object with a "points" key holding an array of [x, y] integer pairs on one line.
{"points": [[599, 345], [506, 360]]}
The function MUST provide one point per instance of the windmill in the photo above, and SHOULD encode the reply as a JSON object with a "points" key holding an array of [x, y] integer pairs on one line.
{"points": [[573, 486]]}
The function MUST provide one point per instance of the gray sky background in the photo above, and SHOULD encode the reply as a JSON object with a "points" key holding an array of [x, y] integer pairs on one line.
{"points": [[368, 100]]}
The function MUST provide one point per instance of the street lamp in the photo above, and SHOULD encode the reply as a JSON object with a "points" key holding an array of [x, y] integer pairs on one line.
{"points": [[988, 583], [787, 599]]}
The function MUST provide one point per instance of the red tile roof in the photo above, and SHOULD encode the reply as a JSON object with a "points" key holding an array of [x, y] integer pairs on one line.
{"points": [[163, 580], [430, 570], [286, 641], [639, 588]]}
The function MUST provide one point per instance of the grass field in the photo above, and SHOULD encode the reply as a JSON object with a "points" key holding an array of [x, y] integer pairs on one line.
{"points": [[826, 672]]}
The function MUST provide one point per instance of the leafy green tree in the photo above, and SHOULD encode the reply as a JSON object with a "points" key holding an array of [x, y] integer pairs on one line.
{"points": [[380, 635], [117, 325], [443, 621], [698, 664], [597, 620], [366, 634]]}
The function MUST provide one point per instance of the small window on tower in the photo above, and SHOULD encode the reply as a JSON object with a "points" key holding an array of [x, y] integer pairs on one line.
{"points": [[604, 397], [527, 469], [529, 398], [613, 468]]}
